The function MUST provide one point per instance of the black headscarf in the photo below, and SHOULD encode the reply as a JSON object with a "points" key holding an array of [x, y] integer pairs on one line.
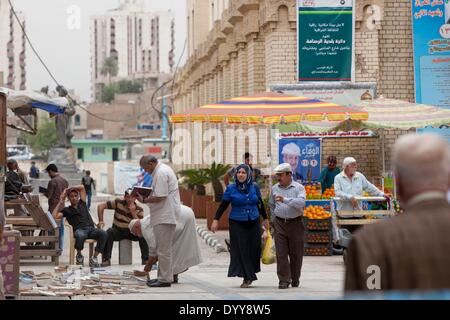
{"points": [[244, 186]]}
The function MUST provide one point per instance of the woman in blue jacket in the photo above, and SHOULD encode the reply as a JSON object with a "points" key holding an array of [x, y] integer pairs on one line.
{"points": [[245, 231]]}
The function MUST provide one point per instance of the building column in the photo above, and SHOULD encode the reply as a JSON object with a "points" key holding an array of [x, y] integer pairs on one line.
{"points": [[242, 70], [256, 64]]}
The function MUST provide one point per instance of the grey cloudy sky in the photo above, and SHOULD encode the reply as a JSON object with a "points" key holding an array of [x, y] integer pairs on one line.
{"points": [[67, 52]]}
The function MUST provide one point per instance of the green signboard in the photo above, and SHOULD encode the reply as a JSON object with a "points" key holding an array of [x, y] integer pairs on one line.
{"points": [[325, 40]]}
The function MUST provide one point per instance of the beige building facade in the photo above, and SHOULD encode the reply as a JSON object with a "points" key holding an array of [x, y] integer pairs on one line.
{"points": [[242, 47]]}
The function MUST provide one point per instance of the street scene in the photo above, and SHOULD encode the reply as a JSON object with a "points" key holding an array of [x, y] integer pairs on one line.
{"points": [[215, 150]]}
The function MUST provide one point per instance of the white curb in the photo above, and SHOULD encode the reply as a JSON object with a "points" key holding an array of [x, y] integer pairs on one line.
{"points": [[210, 240]]}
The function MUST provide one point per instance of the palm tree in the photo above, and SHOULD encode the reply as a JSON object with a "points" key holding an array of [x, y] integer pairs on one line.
{"points": [[109, 68], [214, 174], [195, 178]]}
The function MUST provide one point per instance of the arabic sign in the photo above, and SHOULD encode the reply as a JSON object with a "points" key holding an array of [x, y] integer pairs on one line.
{"points": [[431, 33], [325, 40], [347, 94], [340, 134], [304, 157]]}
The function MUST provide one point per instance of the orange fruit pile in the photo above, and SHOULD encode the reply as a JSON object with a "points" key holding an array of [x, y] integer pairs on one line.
{"points": [[313, 191], [328, 193], [316, 212]]}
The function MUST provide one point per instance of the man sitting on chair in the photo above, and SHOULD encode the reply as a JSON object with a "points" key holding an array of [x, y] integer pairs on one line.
{"points": [[125, 210], [80, 219]]}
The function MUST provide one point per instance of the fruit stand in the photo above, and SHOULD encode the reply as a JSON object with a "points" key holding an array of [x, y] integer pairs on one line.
{"points": [[369, 213], [317, 221]]}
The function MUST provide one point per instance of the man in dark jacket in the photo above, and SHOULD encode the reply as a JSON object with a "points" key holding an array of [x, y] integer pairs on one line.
{"points": [[409, 251]]}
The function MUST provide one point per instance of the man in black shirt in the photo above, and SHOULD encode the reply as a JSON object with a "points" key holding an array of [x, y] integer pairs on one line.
{"points": [[88, 183], [78, 216]]}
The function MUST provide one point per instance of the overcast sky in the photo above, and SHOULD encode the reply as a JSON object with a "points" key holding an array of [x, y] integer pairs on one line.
{"points": [[67, 52]]}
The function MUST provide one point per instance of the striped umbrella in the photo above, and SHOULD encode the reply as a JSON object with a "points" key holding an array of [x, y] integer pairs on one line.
{"points": [[269, 108], [390, 113]]}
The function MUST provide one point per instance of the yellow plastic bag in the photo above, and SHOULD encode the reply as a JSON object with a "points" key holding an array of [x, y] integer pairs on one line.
{"points": [[268, 254]]}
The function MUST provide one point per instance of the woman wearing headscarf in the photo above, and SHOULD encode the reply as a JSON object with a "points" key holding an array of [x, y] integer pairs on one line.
{"points": [[245, 231]]}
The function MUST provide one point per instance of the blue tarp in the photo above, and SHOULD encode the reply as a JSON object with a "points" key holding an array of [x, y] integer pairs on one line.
{"points": [[51, 108]]}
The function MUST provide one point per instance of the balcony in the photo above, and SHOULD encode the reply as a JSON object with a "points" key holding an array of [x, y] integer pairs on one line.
{"points": [[243, 6]]}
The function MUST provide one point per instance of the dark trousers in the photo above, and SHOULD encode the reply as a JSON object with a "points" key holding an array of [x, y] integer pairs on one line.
{"points": [[91, 233], [89, 198], [289, 248], [117, 234]]}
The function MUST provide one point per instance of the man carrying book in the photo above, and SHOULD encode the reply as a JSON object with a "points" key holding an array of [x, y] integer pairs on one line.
{"points": [[125, 210]]}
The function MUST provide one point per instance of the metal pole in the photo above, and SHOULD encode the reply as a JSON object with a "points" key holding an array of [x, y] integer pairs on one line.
{"points": [[164, 116]]}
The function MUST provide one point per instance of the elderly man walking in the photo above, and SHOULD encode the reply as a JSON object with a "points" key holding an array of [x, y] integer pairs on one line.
{"points": [[165, 205], [286, 204], [409, 251]]}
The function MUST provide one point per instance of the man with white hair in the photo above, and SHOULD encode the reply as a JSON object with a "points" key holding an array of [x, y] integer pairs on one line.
{"points": [[164, 204], [291, 154], [350, 184], [410, 251], [186, 251]]}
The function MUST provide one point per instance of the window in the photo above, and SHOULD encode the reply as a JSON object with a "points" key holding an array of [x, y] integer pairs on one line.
{"points": [[98, 151], [77, 120]]}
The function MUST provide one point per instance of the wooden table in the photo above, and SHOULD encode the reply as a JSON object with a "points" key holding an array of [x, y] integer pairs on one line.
{"points": [[46, 243]]}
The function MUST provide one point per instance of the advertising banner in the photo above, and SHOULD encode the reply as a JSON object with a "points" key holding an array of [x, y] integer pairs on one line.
{"points": [[304, 157], [127, 176], [431, 34], [325, 40]]}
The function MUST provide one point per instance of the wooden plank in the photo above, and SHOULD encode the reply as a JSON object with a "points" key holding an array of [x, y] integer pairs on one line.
{"points": [[355, 222], [361, 213], [39, 239], [38, 214], [21, 221], [11, 204], [40, 252]]}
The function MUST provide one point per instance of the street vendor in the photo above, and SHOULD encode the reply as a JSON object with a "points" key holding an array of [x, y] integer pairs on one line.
{"points": [[329, 173], [350, 184]]}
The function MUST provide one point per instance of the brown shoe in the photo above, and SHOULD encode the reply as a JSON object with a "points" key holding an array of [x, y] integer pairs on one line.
{"points": [[246, 284]]}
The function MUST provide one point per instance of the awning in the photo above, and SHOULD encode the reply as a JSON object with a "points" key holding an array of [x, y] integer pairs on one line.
{"points": [[390, 113], [269, 108], [23, 102]]}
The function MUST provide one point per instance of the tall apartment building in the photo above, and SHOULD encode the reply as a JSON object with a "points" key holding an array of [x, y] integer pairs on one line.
{"points": [[12, 48], [141, 42]]}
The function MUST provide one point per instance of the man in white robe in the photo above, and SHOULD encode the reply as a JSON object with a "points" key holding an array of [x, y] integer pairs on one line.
{"points": [[186, 251]]}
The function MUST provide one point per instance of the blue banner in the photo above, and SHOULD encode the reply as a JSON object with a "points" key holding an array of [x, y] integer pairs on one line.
{"points": [[304, 157], [431, 34], [444, 132]]}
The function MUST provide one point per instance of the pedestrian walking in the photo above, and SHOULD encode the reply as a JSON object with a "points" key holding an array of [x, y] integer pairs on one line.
{"points": [[286, 204], [89, 183], [245, 231]]}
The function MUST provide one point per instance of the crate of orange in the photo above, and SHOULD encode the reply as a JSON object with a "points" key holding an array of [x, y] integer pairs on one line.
{"points": [[316, 218], [313, 191]]}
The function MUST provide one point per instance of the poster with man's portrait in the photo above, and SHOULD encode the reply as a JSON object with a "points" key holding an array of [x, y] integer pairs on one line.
{"points": [[304, 157]]}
